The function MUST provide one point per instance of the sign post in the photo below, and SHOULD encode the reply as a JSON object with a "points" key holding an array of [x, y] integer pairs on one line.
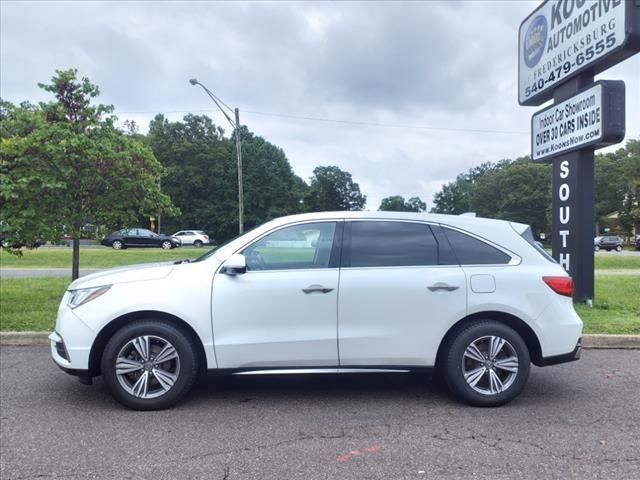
{"points": [[562, 45]]}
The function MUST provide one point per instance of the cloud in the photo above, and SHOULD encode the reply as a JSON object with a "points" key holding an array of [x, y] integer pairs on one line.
{"points": [[429, 89]]}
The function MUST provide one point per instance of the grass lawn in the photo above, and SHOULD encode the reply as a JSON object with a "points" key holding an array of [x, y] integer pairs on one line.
{"points": [[30, 304], [616, 261], [60, 257], [616, 308]]}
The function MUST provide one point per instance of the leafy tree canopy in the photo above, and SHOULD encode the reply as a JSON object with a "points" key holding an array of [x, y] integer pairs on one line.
{"points": [[63, 164], [333, 189], [202, 177], [397, 203]]}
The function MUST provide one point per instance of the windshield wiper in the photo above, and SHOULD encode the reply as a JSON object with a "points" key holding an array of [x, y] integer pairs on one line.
{"points": [[178, 262]]}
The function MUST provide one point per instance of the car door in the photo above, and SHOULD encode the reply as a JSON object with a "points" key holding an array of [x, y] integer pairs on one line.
{"points": [[399, 293], [283, 310], [131, 238]]}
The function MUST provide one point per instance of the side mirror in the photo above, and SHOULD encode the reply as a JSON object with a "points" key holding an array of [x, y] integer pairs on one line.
{"points": [[235, 264]]}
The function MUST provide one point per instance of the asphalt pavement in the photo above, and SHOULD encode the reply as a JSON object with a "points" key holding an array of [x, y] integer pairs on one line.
{"points": [[579, 420]]}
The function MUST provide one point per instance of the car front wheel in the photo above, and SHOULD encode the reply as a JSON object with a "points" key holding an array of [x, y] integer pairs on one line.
{"points": [[166, 245], [117, 245], [619, 248], [149, 365], [596, 248], [487, 364]]}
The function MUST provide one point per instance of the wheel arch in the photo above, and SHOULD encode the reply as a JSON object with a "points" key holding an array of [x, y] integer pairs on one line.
{"points": [[99, 344], [520, 326]]}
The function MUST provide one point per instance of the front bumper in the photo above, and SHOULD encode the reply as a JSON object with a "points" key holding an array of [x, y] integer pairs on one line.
{"points": [[71, 341]]}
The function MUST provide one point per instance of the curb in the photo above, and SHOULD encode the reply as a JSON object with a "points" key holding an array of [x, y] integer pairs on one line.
{"points": [[589, 341]]}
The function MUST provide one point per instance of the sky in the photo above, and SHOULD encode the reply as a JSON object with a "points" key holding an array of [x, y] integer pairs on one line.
{"points": [[403, 95]]}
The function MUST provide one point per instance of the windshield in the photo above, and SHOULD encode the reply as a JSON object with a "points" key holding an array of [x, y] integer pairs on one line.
{"points": [[222, 245]]}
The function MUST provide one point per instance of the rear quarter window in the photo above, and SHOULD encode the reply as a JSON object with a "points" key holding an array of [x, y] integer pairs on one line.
{"points": [[471, 251]]}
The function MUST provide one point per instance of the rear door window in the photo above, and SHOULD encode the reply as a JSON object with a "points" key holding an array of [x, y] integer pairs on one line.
{"points": [[391, 244]]}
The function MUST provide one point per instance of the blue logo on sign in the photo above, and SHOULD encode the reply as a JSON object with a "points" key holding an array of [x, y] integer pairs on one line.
{"points": [[534, 41]]}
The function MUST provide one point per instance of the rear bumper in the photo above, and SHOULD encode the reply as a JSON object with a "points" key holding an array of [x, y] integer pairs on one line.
{"points": [[564, 358]]}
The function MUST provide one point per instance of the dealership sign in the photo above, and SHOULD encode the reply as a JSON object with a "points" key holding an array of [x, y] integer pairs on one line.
{"points": [[593, 117], [562, 38]]}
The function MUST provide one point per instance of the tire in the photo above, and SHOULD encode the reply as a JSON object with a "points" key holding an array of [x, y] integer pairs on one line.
{"points": [[479, 390], [619, 248], [166, 245], [166, 382], [197, 244], [117, 244]]}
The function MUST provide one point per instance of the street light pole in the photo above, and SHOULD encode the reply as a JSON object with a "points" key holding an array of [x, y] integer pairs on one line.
{"points": [[236, 126], [240, 188]]}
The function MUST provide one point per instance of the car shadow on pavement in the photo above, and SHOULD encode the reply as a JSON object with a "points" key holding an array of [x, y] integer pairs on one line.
{"points": [[330, 390]]}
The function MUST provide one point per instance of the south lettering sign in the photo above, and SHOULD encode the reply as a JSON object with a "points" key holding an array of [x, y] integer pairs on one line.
{"points": [[562, 38], [593, 117]]}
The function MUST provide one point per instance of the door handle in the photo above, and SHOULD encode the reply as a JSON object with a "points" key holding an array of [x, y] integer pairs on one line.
{"points": [[317, 288], [442, 287]]}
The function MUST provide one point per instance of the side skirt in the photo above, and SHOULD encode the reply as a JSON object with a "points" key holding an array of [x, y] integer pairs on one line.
{"points": [[318, 370]]}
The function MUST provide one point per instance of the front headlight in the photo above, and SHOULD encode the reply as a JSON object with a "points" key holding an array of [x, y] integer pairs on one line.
{"points": [[85, 295]]}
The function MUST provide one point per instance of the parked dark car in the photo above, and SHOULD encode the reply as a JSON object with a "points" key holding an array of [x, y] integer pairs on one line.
{"points": [[637, 242], [139, 237], [608, 243]]}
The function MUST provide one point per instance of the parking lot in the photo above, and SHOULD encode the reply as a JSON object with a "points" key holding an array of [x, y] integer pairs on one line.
{"points": [[580, 420]]}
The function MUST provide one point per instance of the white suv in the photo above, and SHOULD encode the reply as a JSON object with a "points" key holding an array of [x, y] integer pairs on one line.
{"points": [[197, 238], [328, 292]]}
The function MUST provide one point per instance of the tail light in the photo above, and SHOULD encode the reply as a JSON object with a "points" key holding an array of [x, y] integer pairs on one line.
{"points": [[206, 237], [560, 285]]}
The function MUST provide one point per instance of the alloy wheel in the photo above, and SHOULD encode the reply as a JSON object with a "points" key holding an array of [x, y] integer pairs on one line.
{"points": [[147, 366], [490, 365]]}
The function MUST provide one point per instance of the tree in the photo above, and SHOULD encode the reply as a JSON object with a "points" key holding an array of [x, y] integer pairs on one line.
{"points": [[63, 164], [397, 203], [333, 189], [519, 191], [454, 198], [202, 176]]}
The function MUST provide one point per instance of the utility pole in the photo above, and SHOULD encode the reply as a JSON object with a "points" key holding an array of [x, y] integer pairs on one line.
{"points": [[235, 125], [240, 189]]}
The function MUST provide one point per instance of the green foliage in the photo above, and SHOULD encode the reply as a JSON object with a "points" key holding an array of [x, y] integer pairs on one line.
{"points": [[202, 176], [518, 191], [454, 198], [521, 191], [63, 164], [333, 189], [396, 203]]}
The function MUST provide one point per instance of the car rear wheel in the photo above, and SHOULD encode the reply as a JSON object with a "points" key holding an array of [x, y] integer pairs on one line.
{"points": [[487, 364], [149, 365], [596, 248], [197, 243], [166, 245], [117, 245]]}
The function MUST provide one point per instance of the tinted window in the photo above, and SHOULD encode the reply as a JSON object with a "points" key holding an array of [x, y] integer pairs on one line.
{"points": [[471, 251], [528, 236], [391, 244], [297, 247]]}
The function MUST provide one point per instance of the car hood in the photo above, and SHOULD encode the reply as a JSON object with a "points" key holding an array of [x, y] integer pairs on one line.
{"points": [[130, 273]]}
